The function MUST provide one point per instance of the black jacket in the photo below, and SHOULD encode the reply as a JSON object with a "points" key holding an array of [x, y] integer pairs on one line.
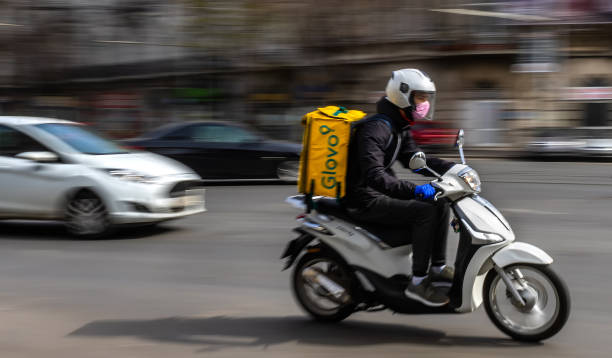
{"points": [[367, 178]]}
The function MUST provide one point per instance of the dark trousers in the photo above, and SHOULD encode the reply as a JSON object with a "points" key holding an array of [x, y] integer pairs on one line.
{"points": [[425, 221]]}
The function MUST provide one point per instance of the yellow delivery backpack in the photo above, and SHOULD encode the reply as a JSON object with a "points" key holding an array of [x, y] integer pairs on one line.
{"points": [[324, 157]]}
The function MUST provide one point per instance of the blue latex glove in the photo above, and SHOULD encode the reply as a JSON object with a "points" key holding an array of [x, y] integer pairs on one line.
{"points": [[425, 191]]}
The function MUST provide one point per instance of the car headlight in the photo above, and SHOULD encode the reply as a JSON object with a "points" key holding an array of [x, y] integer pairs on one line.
{"points": [[132, 176], [471, 178]]}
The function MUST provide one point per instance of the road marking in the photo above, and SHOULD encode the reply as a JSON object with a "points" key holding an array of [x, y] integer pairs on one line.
{"points": [[26, 302], [532, 211], [503, 15]]}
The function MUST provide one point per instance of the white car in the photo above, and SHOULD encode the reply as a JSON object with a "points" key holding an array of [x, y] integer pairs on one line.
{"points": [[52, 169]]}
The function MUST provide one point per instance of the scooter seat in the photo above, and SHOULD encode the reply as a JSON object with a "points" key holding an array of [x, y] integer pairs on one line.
{"points": [[392, 236]]}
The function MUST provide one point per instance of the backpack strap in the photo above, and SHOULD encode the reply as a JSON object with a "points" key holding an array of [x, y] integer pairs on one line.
{"points": [[378, 116], [384, 118], [397, 149]]}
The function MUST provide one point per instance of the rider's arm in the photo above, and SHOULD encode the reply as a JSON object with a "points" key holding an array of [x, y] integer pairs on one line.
{"points": [[440, 166], [373, 138]]}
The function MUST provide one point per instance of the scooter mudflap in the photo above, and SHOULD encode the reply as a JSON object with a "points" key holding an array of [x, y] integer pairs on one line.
{"points": [[455, 225]]}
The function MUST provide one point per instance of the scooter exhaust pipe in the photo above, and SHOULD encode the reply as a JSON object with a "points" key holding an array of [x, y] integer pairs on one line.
{"points": [[316, 278]]}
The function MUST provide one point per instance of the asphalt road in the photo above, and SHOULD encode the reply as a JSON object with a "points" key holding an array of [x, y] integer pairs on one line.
{"points": [[212, 285]]}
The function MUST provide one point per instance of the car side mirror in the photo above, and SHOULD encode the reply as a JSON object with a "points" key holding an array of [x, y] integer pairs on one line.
{"points": [[417, 161], [40, 157]]}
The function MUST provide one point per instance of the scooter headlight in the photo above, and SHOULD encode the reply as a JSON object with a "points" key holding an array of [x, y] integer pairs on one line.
{"points": [[471, 178]]}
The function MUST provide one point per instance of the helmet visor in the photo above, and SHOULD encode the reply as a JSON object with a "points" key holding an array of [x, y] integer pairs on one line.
{"points": [[423, 105]]}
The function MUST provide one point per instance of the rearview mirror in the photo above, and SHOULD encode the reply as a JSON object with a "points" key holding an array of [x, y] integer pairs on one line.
{"points": [[459, 141], [40, 157], [417, 161], [459, 144]]}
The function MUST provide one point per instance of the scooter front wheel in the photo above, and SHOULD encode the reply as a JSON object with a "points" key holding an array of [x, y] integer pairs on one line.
{"points": [[545, 305], [322, 286]]}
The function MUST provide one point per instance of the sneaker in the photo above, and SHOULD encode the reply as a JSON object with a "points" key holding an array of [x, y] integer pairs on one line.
{"points": [[426, 294], [443, 278]]}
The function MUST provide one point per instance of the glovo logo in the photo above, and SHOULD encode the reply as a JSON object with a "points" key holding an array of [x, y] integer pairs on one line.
{"points": [[328, 177]]}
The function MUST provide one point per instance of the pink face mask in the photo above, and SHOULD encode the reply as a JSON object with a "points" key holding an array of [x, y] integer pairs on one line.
{"points": [[420, 110]]}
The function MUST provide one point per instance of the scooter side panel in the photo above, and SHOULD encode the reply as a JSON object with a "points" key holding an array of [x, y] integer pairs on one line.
{"points": [[521, 252], [384, 262], [357, 249]]}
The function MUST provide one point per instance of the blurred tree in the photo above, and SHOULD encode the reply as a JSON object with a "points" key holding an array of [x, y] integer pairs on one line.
{"points": [[216, 25]]}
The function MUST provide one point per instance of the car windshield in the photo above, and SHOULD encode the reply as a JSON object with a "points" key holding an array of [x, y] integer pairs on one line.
{"points": [[81, 139], [213, 133], [221, 134]]}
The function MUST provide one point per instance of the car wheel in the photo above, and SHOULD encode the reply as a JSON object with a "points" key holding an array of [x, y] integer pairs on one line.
{"points": [[86, 216], [287, 171]]}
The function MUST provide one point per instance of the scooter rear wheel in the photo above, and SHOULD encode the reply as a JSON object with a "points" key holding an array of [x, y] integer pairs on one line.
{"points": [[316, 301], [547, 303]]}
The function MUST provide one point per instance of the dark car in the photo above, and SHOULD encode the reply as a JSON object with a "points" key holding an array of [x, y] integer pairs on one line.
{"points": [[221, 150]]}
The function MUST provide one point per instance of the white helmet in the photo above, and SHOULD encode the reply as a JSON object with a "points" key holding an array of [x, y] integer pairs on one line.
{"points": [[404, 82]]}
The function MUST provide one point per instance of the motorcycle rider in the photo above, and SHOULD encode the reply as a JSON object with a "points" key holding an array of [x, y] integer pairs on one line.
{"points": [[374, 194]]}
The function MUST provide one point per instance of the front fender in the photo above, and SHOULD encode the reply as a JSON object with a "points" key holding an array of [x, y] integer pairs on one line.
{"points": [[521, 252]]}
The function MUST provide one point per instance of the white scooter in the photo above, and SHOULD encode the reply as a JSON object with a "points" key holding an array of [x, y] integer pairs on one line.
{"points": [[344, 266]]}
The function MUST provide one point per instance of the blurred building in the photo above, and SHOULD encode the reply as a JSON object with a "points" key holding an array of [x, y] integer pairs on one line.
{"points": [[502, 68]]}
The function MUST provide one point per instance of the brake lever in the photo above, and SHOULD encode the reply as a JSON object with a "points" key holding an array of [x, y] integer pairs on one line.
{"points": [[439, 190]]}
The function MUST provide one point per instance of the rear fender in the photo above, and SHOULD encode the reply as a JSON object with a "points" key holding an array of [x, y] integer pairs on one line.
{"points": [[295, 247]]}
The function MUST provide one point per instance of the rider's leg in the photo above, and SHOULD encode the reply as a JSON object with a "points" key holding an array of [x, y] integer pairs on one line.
{"points": [[439, 271], [419, 217], [438, 254], [422, 232]]}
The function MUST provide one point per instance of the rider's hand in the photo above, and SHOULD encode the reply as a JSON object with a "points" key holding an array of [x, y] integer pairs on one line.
{"points": [[425, 191]]}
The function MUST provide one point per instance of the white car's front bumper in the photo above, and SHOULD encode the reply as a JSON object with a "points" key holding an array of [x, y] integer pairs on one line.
{"points": [[130, 217], [156, 206]]}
